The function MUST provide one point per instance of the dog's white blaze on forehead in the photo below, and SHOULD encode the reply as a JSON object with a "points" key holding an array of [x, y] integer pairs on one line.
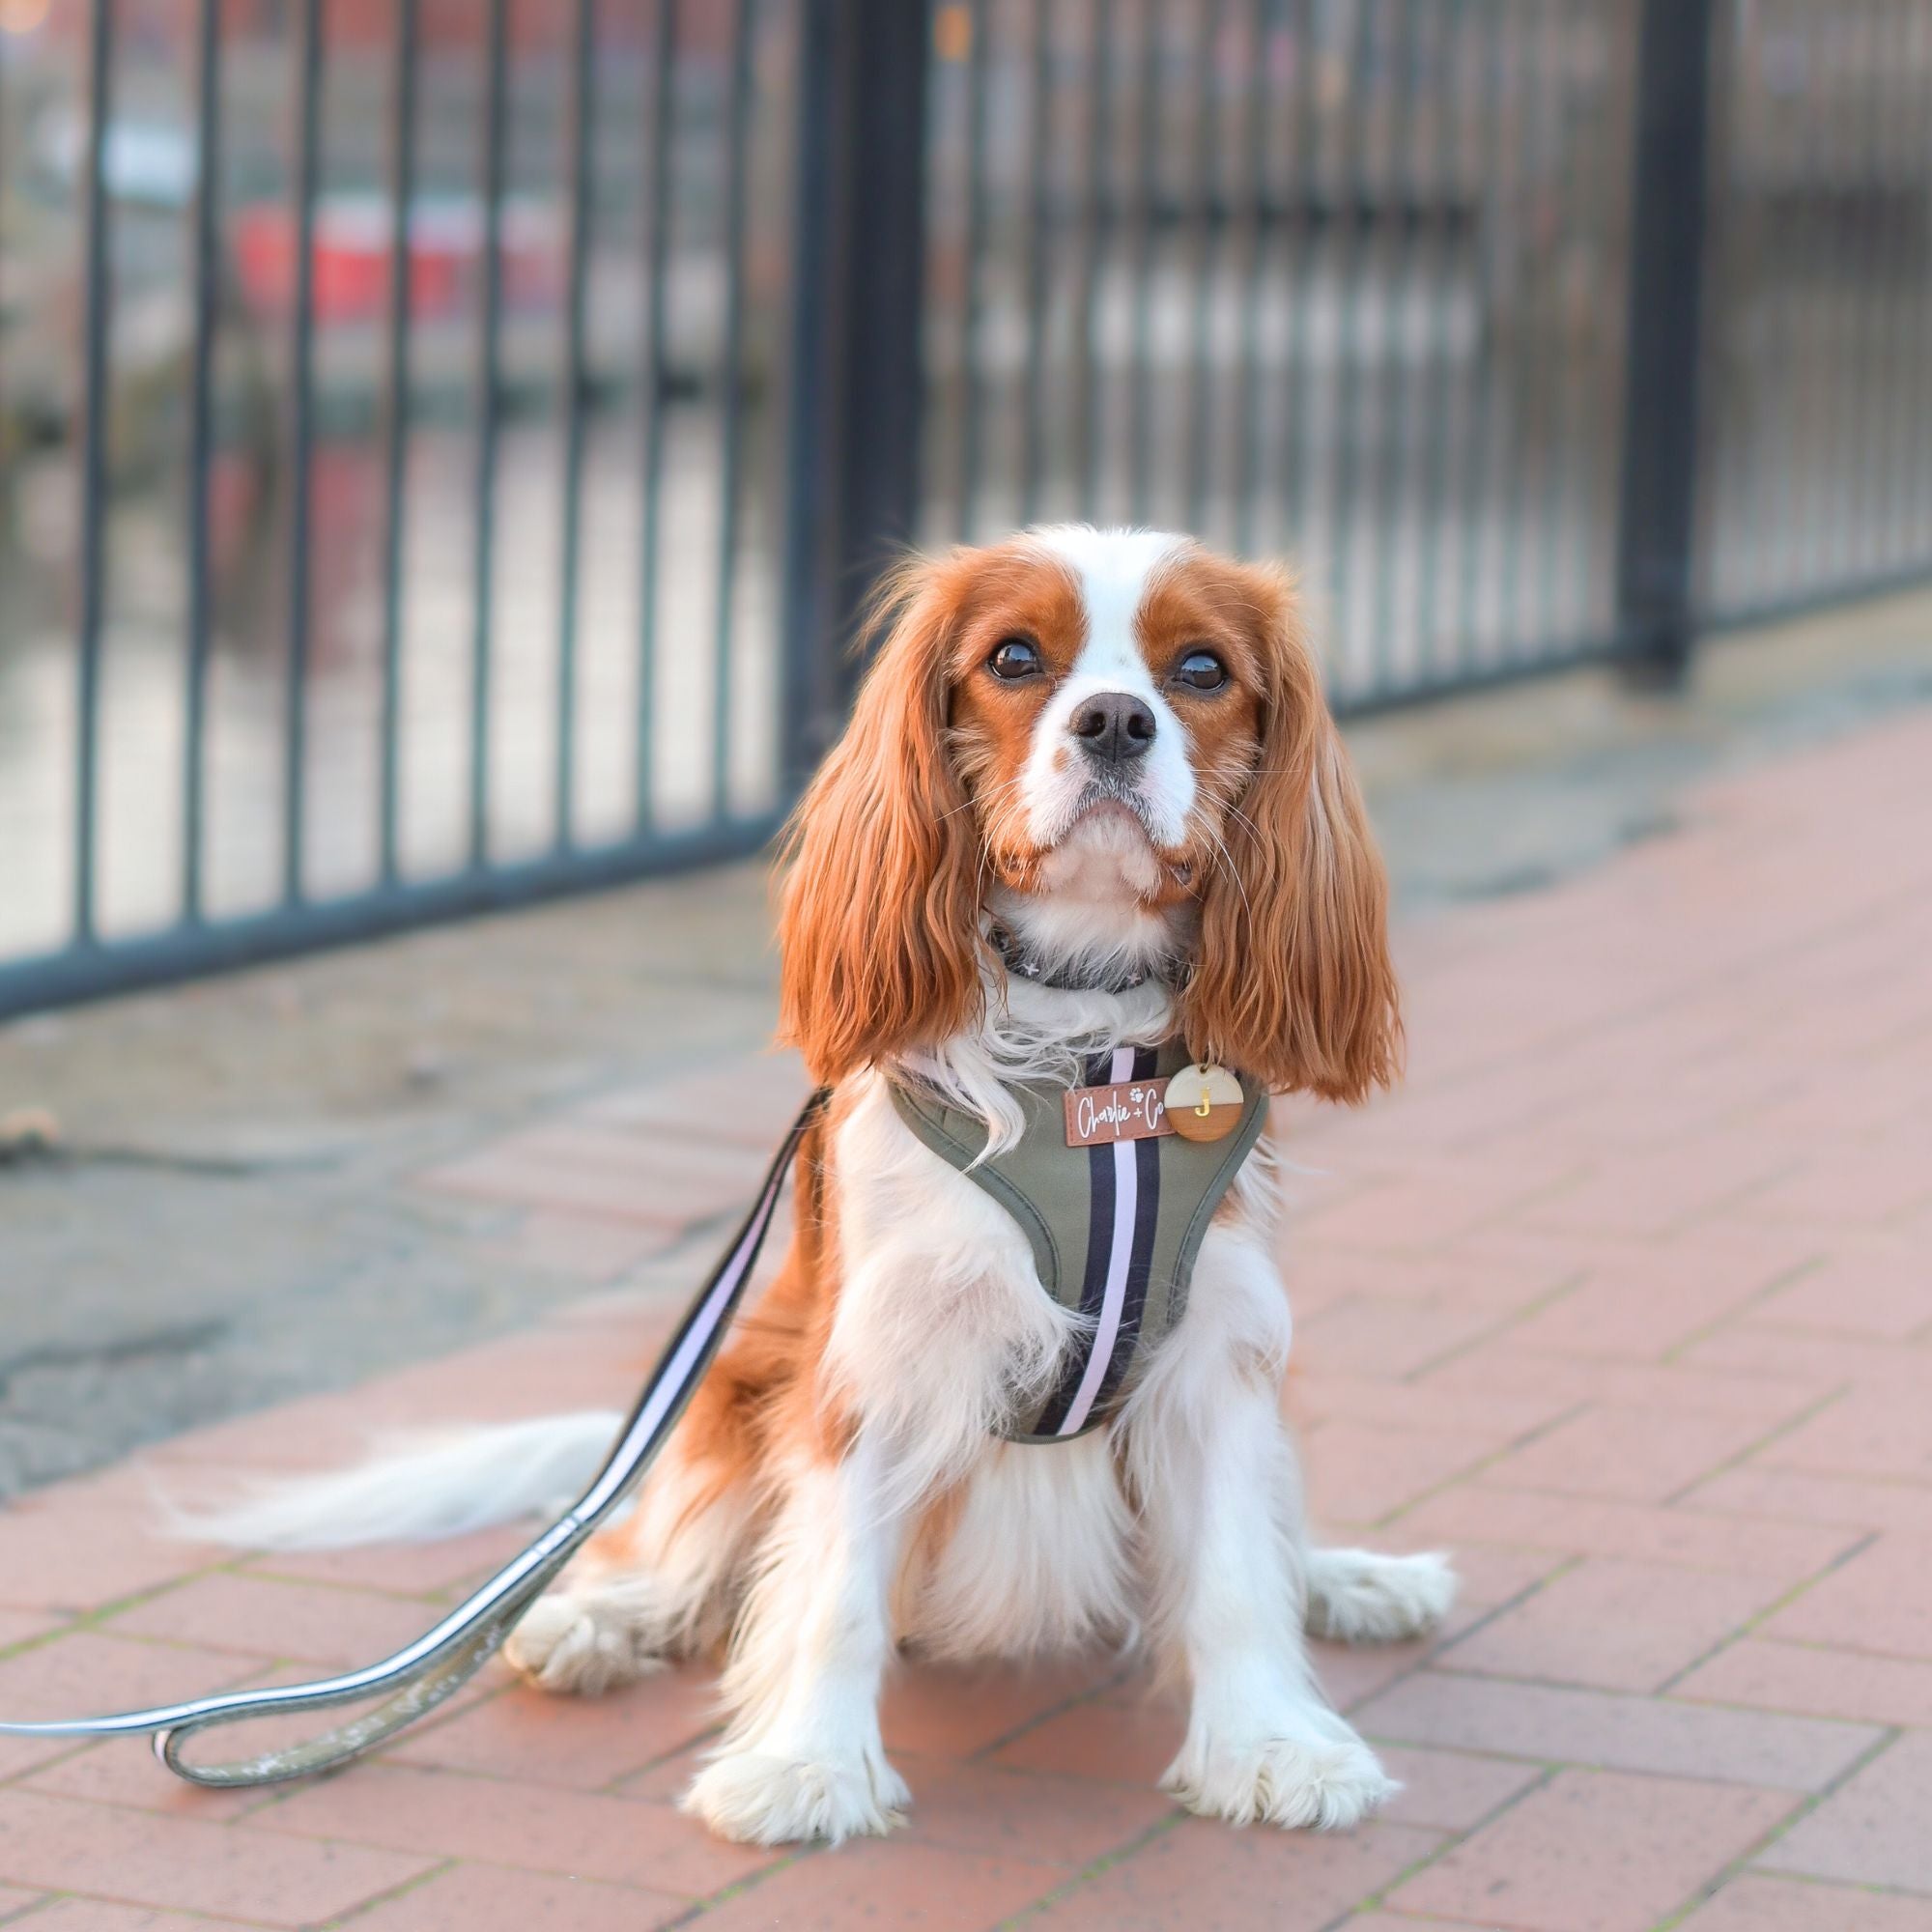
{"points": [[1115, 568]]}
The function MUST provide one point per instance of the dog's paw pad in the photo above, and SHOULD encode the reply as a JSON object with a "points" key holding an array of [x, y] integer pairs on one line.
{"points": [[1355, 1596], [1294, 1785], [579, 1644], [759, 1798]]}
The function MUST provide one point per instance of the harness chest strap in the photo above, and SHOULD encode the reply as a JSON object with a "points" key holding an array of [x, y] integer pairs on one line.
{"points": [[1114, 1227]]}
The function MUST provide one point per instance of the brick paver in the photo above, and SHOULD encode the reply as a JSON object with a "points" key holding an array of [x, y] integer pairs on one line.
{"points": [[1627, 1298], [1874, 1828], [1594, 1851], [1752, 1904]]}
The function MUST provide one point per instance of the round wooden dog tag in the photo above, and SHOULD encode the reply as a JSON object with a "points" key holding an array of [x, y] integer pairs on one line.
{"points": [[1204, 1102]]}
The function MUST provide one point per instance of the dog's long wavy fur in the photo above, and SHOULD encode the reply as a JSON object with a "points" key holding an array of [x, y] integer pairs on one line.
{"points": [[838, 1492]]}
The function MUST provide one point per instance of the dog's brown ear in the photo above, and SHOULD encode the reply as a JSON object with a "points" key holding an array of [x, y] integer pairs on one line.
{"points": [[1293, 983], [879, 931]]}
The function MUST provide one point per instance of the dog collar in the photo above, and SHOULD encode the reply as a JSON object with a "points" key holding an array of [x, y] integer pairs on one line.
{"points": [[1025, 963], [1114, 1224]]}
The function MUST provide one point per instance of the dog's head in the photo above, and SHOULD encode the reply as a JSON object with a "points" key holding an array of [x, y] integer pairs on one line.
{"points": [[1119, 742]]}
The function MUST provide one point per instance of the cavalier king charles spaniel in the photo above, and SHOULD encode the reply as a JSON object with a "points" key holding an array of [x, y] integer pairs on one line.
{"points": [[1091, 807]]}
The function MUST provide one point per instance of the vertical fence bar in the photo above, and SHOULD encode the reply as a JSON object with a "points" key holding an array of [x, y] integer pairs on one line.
{"points": [[1355, 199], [1838, 306], [1833, 456], [1301, 205], [1919, 524], [1609, 401], [732, 429], [1658, 517], [579, 119], [1915, 488], [1400, 296], [1894, 393], [1437, 406], [1838, 487], [489, 397], [1785, 167], [396, 422], [1895, 411], [816, 544], [1518, 496], [652, 401], [1898, 397], [307, 114], [1490, 210], [1140, 376], [200, 451], [92, 466], [1751, 292], [1557, 506], [1211, 214], [1812, 232], [1838, 323], [972, 399], [1039, 221], [857, 371], [1087, 413], [1924, 336], [1262, 23], [1719, 464], [1868, 371], [1868, 334]]}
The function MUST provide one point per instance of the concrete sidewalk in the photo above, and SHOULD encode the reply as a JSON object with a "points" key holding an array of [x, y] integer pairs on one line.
{"points": [[1627, 1298]]}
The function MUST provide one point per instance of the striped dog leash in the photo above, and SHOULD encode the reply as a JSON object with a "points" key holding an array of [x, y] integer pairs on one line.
{"points": [[425, 1673]]}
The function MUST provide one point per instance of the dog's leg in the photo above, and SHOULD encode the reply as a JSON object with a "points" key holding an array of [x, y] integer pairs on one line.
{"points": [[1223, 1509], [657, 1584], [1358, 1596], [804, 1757]]}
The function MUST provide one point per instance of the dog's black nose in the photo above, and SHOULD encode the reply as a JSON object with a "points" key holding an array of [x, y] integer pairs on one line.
{"points": [[1113, 726]]}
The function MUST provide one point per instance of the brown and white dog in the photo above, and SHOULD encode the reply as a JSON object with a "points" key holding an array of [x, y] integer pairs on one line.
{"points": [[1115, 746]]}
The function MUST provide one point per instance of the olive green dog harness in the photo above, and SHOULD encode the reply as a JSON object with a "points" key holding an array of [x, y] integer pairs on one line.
{"points": [[1114, 1227]]}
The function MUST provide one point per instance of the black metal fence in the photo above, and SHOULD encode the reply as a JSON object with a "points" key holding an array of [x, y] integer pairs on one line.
{"points": [[440, 445], [1815, 458], [1343, 281]]}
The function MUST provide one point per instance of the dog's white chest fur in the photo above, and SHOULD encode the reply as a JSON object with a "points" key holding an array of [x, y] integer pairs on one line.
{"points": [[1040, 1558], [1117, 746]]}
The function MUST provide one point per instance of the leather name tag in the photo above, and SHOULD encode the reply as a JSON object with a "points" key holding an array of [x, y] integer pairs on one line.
{"points": [[1134, 1110]]}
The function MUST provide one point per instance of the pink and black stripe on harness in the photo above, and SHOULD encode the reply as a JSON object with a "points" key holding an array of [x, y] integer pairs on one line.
{"points": [[1114, 1227]]}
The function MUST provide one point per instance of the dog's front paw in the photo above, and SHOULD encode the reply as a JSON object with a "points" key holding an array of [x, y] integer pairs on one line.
{"points": [[585, 1642], [1357, 1596], [1291, 1782], [763, 1798]]}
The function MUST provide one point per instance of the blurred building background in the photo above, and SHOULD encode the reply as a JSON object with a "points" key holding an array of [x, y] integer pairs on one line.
{"points": [[441, 441]]}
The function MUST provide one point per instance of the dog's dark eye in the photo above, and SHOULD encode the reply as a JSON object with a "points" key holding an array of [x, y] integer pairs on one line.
{"points": [[1015, 658], [1201, 671]]}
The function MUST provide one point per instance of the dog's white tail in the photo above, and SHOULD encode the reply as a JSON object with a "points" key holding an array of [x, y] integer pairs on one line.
{"points": [[418, 1488]]}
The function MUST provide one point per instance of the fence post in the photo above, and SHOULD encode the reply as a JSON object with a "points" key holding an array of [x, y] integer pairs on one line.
{"points": [[1656, 548], [859, 271]]}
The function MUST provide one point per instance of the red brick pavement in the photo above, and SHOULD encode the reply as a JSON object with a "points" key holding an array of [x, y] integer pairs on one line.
{"points": [[1627, 1298]]}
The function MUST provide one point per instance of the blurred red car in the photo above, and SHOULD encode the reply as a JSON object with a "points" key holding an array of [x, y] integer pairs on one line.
{"points": [[354, 236]]}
